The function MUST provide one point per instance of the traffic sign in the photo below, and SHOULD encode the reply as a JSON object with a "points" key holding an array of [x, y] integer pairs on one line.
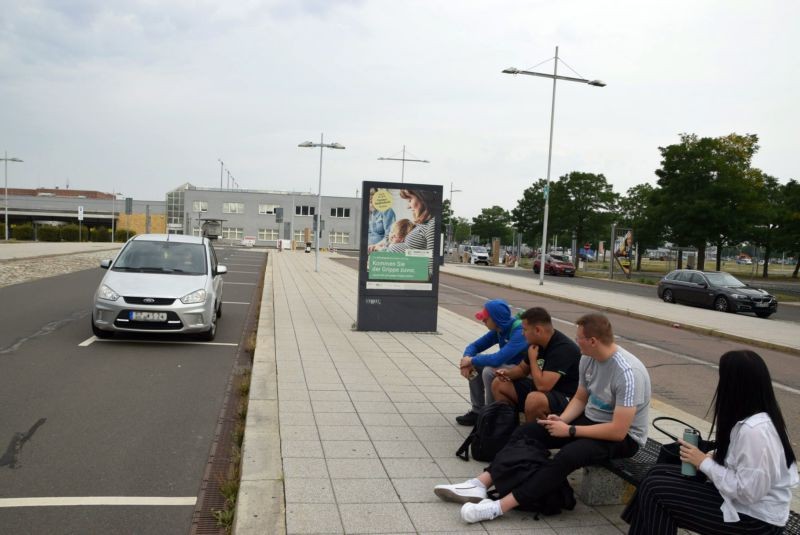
{"points": [[80, 213]]}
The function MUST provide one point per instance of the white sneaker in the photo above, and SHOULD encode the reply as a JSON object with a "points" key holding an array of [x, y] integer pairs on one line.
{"points": [[478, 512], [460, 493]]}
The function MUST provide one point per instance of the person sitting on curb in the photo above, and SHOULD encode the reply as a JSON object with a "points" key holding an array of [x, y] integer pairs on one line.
{"points": [[607, 418], [505, 331], [546, 386]]}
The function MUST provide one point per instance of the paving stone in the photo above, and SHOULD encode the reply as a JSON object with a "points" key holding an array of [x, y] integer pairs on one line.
{"points": [[312, 518], [303, 467], [356, 469], [348, 449], [375, 518], [417, 489], [308, 490], [400, 448], [364, 491], [342, 432]]}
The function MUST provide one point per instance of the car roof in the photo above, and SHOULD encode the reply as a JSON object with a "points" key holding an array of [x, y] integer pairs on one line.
{"points": [[180, 238]]}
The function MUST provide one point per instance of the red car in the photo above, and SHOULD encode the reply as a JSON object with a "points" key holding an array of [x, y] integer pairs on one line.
{"points": [[555, 265]]}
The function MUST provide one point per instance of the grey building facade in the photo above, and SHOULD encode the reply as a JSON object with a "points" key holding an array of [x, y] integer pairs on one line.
{"points": [[253, 214]]}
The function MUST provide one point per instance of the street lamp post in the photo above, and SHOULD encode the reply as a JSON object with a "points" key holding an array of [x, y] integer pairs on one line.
{"points": [[318, 216], [221, 170], [555, 77], [403, 166], [6, 159], [452, 214]]}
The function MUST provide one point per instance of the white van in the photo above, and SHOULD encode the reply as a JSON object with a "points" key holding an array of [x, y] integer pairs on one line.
{"points": [[476, 254]]}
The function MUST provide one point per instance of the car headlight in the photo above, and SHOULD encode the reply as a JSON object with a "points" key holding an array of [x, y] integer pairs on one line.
{"points": [[198, 296], [107, 293], [739, 296]]}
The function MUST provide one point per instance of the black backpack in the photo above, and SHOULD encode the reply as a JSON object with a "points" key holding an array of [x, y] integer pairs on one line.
{"points": [[519, 461], [496, 422]]}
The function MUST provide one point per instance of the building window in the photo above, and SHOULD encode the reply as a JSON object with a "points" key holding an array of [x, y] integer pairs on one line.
{"points": [[268, 234], [200, 206], [233, 233], [339, 237], [233, 208], [299, 236], [197, 231], [304, 210], [264, 209], [340, 212]]}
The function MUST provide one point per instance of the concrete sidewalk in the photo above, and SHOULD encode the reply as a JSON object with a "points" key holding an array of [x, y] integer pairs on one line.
{"points": [[348, 432], [769, 333], [16, 250]]}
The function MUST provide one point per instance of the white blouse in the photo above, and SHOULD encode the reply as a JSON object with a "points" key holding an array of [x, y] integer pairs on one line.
{"points": [[755, 480]]}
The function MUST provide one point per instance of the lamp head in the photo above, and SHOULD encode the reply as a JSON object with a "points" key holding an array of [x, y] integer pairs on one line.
{"points": [[336, 146], [306, 144], [597, 83], [511, 70]]}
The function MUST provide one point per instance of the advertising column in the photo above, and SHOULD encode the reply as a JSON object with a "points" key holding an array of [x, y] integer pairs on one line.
{"points": [[398, 283]]}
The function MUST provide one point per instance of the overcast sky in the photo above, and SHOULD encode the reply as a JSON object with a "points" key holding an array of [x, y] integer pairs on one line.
{"points": [[140, 97]]}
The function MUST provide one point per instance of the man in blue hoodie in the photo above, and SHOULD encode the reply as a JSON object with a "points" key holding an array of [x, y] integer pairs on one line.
{"points": [[504, 331]]}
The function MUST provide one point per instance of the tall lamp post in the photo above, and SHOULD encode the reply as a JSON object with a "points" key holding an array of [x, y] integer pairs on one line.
{"points": [[6, 159], [404, 160], [555, 77], [452, 214], [318, 232]]}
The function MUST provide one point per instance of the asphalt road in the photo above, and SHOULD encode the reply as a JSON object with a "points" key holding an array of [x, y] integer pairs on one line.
{"points": [[131, 417], [786, 312], [681, 363]]}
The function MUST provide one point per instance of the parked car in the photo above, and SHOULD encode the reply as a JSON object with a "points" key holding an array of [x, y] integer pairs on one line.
{"points": [[476, 254], [745, 261], [167, 283], [715, 289], [555, 265]]}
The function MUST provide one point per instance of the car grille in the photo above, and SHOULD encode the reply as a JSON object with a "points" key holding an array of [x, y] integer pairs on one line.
{"points": [[761, 299], [149, 300], [173, 322]]}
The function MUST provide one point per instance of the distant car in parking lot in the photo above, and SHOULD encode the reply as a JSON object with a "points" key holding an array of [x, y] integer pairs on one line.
{"points": [[715, 289], [166, 283], [477, 254], [555, 264]]}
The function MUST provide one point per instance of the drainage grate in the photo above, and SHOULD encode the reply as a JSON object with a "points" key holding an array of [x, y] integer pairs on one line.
{"points": [[210, 498]]}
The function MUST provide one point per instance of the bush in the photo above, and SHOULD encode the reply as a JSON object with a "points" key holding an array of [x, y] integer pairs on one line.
{"points": [[2, 231], [100, 234], [121, 234], [48, 233], [22, 232], [69, 232]]}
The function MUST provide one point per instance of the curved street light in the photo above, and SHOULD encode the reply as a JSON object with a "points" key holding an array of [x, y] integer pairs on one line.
{"points": [[6, 159], [404, 160], [555, 77]]}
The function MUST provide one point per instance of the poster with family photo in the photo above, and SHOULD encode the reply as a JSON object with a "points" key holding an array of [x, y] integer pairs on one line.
{"points": [[402, 225]]}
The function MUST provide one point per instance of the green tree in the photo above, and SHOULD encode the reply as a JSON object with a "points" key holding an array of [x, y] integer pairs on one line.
{"points": [[447, 213], [706, 190], [492, 222], [528, 215], [583, 203], [788, 236], [462, 229], [769, 217]]}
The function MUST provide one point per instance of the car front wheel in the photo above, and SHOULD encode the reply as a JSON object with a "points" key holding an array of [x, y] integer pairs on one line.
{"points": [[721, 304], [668, 297]]}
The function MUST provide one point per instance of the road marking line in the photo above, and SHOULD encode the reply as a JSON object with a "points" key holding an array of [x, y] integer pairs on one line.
{"points": [[59, 501], [247, 272], [244, 283], [234, 303], [170, 342], [88, 341]]}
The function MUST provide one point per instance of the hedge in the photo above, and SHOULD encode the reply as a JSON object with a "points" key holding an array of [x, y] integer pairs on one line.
{"points": [[22, 232], [48, 233]]}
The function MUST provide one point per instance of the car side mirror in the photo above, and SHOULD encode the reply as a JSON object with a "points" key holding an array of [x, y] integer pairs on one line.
{"points": [[703, 285], [221, 270], [105, 264]]}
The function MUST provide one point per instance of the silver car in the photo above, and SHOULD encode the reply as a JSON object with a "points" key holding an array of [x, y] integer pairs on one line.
{"points": [[167, 283]]}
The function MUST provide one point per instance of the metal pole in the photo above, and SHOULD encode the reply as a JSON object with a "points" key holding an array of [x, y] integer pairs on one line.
{"points": [[221, 166], [319, 204], [547, 180], [403, 166], [5, 204], [612, 247], [113, 209]]}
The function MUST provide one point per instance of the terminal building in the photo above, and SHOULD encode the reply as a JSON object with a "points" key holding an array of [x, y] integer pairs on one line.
{"points": [[261, 216]]}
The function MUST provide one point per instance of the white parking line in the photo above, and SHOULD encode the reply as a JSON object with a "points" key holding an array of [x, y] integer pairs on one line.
{"points": [[248, 272], [59, 501], [243, 283], [93, 339], [234, 303]]}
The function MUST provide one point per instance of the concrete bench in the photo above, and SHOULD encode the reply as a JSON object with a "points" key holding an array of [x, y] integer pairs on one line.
{"points": [[614, 482]]}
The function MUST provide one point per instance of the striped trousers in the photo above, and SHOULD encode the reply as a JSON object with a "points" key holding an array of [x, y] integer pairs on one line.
{"points": [[665, 501]]}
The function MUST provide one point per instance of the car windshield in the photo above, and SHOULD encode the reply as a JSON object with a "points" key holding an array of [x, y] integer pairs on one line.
{"points": [[724, 279], [558, 258], [162, 257], [479, 249]]}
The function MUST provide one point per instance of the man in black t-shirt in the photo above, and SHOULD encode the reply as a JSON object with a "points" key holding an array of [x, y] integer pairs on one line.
{"points": [[546, 386]]}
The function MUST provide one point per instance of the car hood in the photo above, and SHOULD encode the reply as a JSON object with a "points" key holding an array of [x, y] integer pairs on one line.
{"points": [[153, 284], [750, 292]]}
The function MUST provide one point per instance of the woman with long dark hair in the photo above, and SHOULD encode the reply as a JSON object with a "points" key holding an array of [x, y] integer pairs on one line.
{"points": [[750, 475]]}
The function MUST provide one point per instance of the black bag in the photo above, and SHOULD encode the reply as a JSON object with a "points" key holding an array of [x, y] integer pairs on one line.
{"points": [[496, 422], [671, 453], [519, 461]]}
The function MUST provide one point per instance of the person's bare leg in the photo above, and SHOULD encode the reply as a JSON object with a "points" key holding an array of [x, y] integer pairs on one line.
{"points": [[536, 407], [485, 478], [504, 391], [508, 502]]}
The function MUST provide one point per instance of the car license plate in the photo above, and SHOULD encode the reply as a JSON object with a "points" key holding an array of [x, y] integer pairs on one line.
{"points": [[762, 305], [148, 316]]}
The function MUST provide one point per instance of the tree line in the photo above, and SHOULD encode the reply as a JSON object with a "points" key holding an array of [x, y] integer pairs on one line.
{"points": [[707, 194]]}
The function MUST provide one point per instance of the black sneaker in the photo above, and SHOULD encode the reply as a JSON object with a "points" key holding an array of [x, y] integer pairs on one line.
{"points": [[470, 418]]}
